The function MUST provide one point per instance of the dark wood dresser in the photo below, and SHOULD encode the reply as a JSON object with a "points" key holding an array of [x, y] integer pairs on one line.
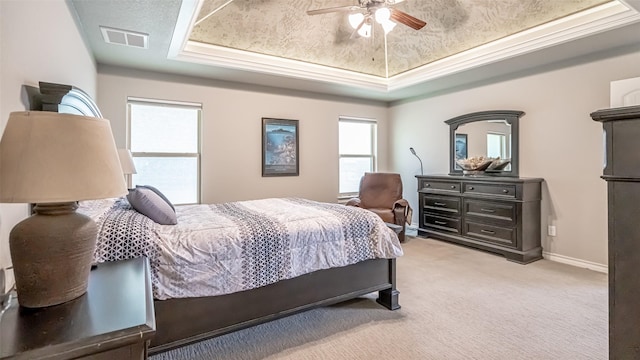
{"points": [[113, 320], [622, 173], [496, 214]]}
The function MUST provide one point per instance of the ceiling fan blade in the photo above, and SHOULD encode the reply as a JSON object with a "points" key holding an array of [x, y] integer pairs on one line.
{"points": [[404, 18], [333, 9]]}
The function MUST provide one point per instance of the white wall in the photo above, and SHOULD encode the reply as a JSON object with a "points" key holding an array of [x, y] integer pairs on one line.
{"points": [[232, 126], [40, 42], [558, 142]]}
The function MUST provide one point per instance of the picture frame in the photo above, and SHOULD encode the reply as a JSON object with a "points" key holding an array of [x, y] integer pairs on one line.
{"points": [[280, 147], [461, 148]]}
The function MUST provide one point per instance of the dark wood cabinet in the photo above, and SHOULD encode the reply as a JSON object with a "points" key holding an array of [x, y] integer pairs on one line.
{"points": [[622, 172], [497, 214], [113, 320]]}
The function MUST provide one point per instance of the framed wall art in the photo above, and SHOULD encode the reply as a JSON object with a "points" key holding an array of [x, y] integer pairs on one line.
{"points": [[280, 150]]}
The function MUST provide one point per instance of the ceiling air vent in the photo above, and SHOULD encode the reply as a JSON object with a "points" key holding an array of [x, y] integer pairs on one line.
{"points": [[125, 37]]}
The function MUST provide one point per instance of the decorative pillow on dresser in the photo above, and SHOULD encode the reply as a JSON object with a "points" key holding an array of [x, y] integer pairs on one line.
{"points": [[152, 204]]}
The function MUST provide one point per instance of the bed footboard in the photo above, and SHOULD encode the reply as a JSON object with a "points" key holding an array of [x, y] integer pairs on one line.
{"points": [[183, 321], [389, 297]]}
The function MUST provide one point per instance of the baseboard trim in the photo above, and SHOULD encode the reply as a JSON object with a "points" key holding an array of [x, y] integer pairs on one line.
{"points": [[411, 230], [576, 262]]}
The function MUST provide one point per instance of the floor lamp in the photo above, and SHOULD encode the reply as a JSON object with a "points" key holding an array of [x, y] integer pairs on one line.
{"points": [[416, 155], [55, 160]]}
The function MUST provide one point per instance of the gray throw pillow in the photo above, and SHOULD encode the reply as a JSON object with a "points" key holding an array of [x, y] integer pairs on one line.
{"points": [[159, 194], [150, 204]]}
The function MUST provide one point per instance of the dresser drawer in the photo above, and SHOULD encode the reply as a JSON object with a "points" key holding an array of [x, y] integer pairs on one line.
{"points": [[428, 185], [445, 205], [507, 190], [491, 210], [495, 234], [442, 223]]}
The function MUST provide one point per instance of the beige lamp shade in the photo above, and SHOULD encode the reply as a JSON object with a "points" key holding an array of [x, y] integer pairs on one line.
{"points": [[126, 162], [48, 157]]}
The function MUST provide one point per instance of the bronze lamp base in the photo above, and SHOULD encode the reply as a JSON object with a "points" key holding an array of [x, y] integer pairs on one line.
{"points": [[52, 253]]}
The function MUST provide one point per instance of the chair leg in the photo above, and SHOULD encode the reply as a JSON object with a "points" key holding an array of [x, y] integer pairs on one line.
{"points": [[401, 236]]}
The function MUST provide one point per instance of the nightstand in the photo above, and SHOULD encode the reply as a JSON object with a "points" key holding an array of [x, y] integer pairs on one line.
{"points": [[114, 320]]}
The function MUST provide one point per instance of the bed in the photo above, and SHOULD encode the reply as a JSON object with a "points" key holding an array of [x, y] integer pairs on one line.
{"points": [[184, 316], [228, 266]]}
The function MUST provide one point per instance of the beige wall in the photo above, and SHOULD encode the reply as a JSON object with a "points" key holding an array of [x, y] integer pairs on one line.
{"points": [[558, 142], [40, 42], [231, 132]]}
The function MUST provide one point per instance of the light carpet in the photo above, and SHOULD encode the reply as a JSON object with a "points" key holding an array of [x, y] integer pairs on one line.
{"points": [[457, 303]]}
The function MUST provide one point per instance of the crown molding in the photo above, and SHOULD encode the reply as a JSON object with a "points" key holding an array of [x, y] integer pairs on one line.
{"points": [[244, 60]]}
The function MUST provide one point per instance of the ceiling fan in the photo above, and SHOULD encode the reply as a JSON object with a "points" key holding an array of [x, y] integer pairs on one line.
{"points": [[363, 14]]}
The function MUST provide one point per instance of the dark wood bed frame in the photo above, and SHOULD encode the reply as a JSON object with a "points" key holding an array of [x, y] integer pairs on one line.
{"points": [[187, 320]]}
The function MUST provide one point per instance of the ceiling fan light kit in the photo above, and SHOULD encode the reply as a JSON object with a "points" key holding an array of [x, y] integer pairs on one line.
{"points": [[380, 10], [356, 19], [365, 30], [383, 17]]}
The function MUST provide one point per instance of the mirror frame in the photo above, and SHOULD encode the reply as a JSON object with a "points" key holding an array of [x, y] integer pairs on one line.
{"points": [[512, 117]]}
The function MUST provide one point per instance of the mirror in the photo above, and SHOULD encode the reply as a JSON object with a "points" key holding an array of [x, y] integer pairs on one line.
{"points": [[487, 133]]}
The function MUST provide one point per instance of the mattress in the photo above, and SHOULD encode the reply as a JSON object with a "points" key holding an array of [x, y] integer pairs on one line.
{"points": [[218, 249]]}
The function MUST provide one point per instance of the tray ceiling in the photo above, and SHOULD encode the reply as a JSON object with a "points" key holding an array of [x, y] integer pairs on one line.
{"points": [[283, 29], [275, 43]]}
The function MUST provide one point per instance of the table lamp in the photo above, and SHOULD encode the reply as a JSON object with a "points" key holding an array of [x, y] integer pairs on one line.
{"points": [[126, 162], [55, 160]]}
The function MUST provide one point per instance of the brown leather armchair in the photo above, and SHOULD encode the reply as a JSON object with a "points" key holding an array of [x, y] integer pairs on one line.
{"points": [[382, 194]]}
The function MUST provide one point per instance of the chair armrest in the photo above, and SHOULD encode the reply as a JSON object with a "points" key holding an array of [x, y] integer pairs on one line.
{"points": [[402, 207], [353, 202]]}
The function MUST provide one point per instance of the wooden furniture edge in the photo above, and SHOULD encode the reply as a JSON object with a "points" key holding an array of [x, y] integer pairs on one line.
{"points": [[520, 257], [247, 308]]}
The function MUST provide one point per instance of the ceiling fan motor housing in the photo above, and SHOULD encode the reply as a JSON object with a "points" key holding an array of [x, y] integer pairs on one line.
{"points": [[374, 3]]}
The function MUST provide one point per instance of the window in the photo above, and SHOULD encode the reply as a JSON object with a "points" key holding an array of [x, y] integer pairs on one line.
{"points": [[164, 139], [496, 145], [357, 141]]}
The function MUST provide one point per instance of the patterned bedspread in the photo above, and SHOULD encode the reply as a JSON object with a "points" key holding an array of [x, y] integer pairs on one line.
{"points": [[224, 248]]}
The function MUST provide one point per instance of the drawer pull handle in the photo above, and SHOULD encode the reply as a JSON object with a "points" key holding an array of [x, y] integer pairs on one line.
{"points": [[427, 185], [439, 204], [488, 210], [453, 186], [488, 231], [505, 191], [470, 188], [440, 222]]}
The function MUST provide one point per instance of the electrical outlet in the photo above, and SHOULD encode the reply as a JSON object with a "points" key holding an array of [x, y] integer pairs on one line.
{"points": [[552, 230]]}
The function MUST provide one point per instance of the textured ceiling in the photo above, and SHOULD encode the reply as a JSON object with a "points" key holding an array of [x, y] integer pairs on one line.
{"points": [[283, 29], [246, 30]]}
